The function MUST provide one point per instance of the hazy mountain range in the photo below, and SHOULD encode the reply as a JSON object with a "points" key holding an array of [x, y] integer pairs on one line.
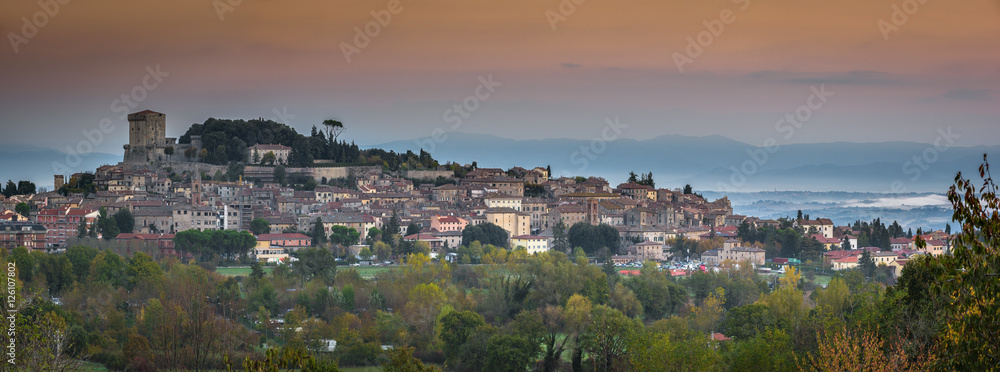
{"points": [[38, 164], [722, 164], [707, 163]]}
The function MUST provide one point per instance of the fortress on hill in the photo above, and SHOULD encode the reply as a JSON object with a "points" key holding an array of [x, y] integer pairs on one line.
{"points": [[148, 143]]}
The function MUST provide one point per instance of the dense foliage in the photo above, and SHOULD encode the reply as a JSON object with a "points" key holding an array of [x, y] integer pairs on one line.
{"points": [[225, 141]]}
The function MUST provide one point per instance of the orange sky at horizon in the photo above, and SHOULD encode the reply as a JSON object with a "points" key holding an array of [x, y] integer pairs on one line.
{"points": [[604, 58]]}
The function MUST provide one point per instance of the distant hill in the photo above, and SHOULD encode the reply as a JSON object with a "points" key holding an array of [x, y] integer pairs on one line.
{"points": [[708, 163], [35, 164]]}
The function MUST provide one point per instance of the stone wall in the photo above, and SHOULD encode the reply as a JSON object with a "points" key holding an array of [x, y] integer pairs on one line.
{"points": [[429, 174]]}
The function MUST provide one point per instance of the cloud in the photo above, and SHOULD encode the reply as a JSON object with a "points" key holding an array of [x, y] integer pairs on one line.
{"points": [[964, 94], [570, 65], [839, 78], [960, 95]]}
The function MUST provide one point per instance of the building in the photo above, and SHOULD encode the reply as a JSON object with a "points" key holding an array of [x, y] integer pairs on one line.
{"points": [[647, 251], [264, 252], [432, 241], [516, 223], [503, 201], [820, 226], [193, 217], [448, 223], [290, 241], [22, 234], [533, 244], [257, 153], [163, 243], [734, 252], [636, 191], [503, 185], [62, 223]]}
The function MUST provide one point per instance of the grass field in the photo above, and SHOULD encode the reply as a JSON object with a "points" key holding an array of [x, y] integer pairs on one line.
{"points": [[238, 271], [367, 272]]}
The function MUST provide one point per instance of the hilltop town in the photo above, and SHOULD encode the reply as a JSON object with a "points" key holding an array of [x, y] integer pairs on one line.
{"points": [[166, 188]]}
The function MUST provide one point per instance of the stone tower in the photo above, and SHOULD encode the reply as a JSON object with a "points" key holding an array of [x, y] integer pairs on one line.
{"points": [[147, 136], [59, 181], [593, 212]]}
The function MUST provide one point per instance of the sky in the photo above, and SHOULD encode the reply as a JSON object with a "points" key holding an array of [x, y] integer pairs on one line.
{"points": [[541, 68]]}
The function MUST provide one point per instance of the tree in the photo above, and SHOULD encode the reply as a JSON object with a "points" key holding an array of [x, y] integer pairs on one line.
{"points": [[486, 234], [746, 322], [967, 278], [260, 226], [268, 158], [81, 230], [10, 189], [381, 250], [365, 253], [107, 225], [560, 242], [124, 220], [390, 228], [318, 233], [343, 235], [25, 188], [509, 353], [315, 263], [592, 238], [607, 338], [412, 228], [688, 190], [81, 257], [333, 128], [374, 235], [279, 174], [658, 295], [143, 270], [22, 209], [632, 177], [401, 359], [456, 327], [861, 350], [867, 264]]}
